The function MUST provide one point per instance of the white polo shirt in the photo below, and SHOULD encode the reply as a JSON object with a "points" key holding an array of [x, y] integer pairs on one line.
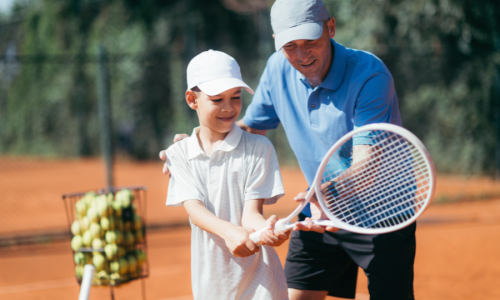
{"points": [[244, 168]]}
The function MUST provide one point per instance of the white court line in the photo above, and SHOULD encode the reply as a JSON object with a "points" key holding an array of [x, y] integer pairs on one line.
{"points": [[60, 283]]}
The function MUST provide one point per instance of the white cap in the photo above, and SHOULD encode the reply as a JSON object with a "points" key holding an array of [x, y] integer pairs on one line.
{"points": [[214, 72], [297, 20]]}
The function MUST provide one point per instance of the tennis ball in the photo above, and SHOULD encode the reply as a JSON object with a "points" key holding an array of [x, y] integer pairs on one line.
{"points": [[127, 226], [81, 208], [76, 229], [119, 237], [80, 258], [102, 206], [98, 261], [117, 208], [128, 238], [114, 276], [114, 266], [103, 277], [125, 197], [97, 243], [87, 238], [121, 252], [79, 272], [123, 266], [84, 223], [76, 242], [95, 230], [132, 263], [104, 223], [141, 257], [119, 224], [139, 238], [111, 251], [110, 237], [137, 222], [92, 214]]}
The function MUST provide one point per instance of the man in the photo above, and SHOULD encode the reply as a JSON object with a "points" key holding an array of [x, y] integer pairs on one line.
{"points": [[319, 90]]}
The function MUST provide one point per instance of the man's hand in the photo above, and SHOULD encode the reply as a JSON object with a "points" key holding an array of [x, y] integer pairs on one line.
{"points": [[163, 153], [316, 214], [272, 237], [238, 241]]}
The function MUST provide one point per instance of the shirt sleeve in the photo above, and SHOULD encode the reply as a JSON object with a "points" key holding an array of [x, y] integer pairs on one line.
{"points": [[261, 114], [377, 102], [180, 187], [264, 177]]}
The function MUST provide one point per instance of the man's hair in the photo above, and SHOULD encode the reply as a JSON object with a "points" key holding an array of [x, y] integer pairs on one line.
{"points": [[196, 89]]}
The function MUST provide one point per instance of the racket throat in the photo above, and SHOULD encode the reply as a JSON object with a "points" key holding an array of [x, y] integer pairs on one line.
{"points": [[283, 225]]}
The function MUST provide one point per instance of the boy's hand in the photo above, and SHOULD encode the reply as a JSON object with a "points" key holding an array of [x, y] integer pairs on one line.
{"points": [[238, 241], [273, 237], [163, 153]]}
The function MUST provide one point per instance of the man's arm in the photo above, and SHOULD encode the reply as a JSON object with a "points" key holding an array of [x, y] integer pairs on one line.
{"points": [[248, 129], [236, 237]]}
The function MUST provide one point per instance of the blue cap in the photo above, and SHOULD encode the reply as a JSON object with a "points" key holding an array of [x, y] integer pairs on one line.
{"points": [[297, 20]]}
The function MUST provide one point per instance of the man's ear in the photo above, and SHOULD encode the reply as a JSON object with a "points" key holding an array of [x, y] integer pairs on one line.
{"points": [[274, 36], [191, 99], [331, 27]]}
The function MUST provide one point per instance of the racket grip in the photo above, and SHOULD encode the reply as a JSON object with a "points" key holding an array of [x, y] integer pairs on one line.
{"points": [[255, 236]]}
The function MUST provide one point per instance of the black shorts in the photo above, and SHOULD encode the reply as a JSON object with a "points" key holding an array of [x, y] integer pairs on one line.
{"points": [[329, 262]]}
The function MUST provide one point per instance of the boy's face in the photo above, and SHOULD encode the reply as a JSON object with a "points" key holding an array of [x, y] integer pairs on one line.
{"points": [[217, 112]]}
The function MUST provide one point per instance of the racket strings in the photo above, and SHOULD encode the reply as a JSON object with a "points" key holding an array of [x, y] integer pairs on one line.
{"points": [[380, 187], [363, 212], [400, 202], [366, 204]]}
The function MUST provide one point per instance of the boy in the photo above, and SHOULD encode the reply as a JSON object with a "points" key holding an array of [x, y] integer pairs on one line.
{"points": [[223, 176]]}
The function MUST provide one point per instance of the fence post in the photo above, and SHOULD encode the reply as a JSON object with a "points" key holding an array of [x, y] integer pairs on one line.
{"points": [[103, 100]]}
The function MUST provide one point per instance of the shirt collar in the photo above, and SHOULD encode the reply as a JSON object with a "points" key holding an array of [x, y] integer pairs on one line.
{"points": [[336, 73], [337, 70], [230, 142]]}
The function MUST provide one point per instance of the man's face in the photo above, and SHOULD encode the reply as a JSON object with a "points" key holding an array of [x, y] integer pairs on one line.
{"points": [[312, 57]]}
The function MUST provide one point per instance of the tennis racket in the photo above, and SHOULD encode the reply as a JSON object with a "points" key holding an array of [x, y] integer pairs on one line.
{"points": [[376, 179]]}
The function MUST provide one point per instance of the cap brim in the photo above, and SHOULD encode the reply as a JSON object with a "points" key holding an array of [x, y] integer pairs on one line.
{"points": [[309, 31], [217, 86]]}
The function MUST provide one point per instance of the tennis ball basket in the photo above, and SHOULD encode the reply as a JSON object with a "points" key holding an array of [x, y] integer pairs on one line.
{"points": [[108, 230]]}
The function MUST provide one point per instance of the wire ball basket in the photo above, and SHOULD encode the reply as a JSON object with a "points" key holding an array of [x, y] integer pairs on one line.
{"points": [[108, 230]]}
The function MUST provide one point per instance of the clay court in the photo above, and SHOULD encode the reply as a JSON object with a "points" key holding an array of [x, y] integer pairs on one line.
{"points": [[458, 238]]}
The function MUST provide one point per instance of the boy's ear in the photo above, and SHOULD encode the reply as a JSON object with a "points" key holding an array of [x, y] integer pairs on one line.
{"points": [[191, 99]]}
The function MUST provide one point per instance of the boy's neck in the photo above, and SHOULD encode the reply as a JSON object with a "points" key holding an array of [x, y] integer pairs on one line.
{"points": [[209, 139]]}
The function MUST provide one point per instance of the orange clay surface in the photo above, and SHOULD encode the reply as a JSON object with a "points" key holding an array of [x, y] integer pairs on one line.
{"points": [[458, 244]]}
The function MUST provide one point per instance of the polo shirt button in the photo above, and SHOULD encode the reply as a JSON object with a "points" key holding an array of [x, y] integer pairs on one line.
{"points": [[313, 106]]}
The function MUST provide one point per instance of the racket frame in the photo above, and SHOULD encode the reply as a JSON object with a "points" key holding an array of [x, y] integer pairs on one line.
{"points": [[285, 224], [386, 127]]}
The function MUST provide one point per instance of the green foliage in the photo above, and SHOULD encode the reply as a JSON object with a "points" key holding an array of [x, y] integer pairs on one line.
{"points": [[443, 54]]}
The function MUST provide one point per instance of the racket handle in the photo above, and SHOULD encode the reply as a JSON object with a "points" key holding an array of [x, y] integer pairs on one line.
{"points": [[88, 274], [255, 236], [280, 225]]}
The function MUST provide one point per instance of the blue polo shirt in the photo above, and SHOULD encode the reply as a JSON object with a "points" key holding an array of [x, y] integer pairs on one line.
{"points": [[358, 90]]}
